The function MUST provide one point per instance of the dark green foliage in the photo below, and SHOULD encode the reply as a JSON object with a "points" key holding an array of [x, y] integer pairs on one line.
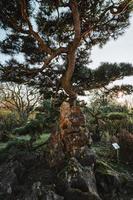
{"points": [[125, 89], [48, 115], [33, 127], [86, 79], [58, 30], [54, 26], [45, 121]]}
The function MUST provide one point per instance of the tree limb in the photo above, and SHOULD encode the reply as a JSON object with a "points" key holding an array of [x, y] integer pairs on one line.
{"points": [[43, 46]]}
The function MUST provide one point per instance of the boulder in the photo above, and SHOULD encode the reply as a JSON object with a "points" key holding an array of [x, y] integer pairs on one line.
{"points": [[10, 174], [43, 193], [86, 156], [77, 182]]}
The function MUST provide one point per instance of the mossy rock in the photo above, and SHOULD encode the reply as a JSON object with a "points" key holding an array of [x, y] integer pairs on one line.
{"points": [[107, 179], [77, 181], [112, 184], [104, 168]]}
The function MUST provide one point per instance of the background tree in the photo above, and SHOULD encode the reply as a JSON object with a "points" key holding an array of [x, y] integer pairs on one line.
{"points": [[55, 37], [105, 115], [19, 98]]}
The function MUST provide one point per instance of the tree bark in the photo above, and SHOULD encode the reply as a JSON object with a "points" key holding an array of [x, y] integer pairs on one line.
{"points": [[72, 47]]}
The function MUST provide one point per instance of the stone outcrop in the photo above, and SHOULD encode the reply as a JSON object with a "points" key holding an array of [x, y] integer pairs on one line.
{"points": [[77, 182]]}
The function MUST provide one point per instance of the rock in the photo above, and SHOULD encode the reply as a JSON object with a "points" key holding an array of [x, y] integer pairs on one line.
{"points": [[55, 155], [50, 195], [126, 192], [72, 128], [40, 192], [43, 194], [111, 184], [77, 182], [10, 173], [86, 156], [76, 194], [108, 181]]}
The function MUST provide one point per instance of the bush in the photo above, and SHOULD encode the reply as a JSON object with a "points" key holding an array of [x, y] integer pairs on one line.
{"points": [[32, 128], [8, 121], [126, 146]]}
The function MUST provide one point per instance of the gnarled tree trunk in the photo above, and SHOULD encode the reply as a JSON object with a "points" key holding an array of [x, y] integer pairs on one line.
{"points": [[71, 137]]}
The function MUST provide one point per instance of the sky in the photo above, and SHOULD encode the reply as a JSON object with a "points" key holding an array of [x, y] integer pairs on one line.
{"points": [[120, 50]]}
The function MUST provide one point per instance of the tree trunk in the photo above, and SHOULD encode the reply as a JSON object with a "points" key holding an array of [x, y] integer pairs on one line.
{"points": [[71, 137], [67, 76]]}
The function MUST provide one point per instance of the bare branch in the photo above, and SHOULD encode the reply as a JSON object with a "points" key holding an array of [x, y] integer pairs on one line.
{"points": [[13, 98]]}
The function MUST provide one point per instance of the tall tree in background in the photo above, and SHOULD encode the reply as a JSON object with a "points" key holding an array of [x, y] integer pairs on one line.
{"points": [[54, 39]]}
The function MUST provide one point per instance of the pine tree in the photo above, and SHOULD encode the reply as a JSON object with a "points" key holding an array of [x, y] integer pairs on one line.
{"points": [[55, 39]]}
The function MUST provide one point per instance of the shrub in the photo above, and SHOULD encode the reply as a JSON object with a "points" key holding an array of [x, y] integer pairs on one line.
{"points": [[126, 146], [32, 127], [8, 121]]}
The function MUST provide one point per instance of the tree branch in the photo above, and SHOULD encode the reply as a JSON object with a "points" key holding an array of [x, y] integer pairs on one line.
{"points": [[43, 46], [57, 52], [114, 10]]}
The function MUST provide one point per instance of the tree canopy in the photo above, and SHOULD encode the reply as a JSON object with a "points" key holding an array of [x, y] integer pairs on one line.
{"points": [[55, 38]]}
